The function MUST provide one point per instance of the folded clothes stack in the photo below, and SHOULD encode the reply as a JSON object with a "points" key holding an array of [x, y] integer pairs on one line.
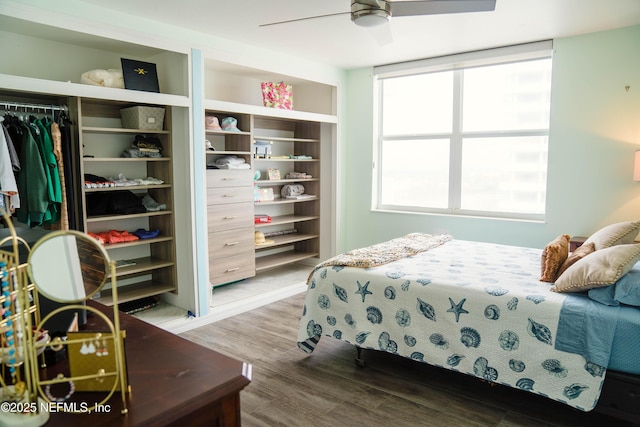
{"points": [[228, 162], [113, 236], [151, 205], [117, 236], [146, 234], [122, 181], [95, 181]]}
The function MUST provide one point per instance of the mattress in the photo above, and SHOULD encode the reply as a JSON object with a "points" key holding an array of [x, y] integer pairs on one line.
{"points": [[472, 307]]}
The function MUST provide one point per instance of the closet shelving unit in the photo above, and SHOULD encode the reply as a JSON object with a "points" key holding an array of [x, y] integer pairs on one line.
{"points": [[102, 141], [298, 218], [290, 133], [307, 130], [95, 112]]}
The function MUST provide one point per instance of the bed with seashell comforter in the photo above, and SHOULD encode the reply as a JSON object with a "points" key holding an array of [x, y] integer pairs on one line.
{"points": [[472, 307]]}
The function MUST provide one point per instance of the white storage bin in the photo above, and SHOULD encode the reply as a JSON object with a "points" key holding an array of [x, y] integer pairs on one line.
{"points": [[142, 117]]}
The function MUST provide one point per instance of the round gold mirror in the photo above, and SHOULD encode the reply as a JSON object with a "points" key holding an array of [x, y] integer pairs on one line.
{"points": [[68, 266]]}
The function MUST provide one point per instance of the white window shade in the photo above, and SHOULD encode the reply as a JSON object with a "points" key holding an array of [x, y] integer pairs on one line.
{"points": [[521, 52]]}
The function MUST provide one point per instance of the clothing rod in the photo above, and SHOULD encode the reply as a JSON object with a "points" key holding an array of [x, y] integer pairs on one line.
{"points": [[47, 107]]}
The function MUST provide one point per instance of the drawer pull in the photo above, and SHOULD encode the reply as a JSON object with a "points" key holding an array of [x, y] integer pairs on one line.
{"points": [[231, 243], [228, 179], [231, 270], [231, 217], [229, 195]]}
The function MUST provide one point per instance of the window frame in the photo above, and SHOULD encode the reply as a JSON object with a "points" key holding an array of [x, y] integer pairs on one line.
{"points": [[456, 64]]}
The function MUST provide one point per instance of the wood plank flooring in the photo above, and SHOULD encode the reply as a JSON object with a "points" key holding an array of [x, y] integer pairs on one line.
{"points": [[326, 388]]}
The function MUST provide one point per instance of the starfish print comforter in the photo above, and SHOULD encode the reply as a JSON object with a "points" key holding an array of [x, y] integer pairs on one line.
{"points": [[472, 307]]}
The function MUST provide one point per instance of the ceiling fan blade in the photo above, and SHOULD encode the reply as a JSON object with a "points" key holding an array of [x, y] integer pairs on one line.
{"points": [[435, 7], [304, 19]]}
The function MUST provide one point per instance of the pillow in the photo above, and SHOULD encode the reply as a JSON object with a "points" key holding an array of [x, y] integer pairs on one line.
{"points": [[601, 268], [576, 255], [626, 290], [615, 234], [553, 255]]}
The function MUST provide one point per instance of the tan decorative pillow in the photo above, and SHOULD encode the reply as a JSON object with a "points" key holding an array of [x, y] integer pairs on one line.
{"points": [[553, 255], [620, 233], [601, 268], [576, 255]]}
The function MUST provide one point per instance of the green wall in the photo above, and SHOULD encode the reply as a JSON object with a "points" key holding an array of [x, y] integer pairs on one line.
{"points": [[594, 131]]}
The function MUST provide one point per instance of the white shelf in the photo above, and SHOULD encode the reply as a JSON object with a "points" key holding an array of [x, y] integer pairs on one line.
{"points": [[134, 292], [272, 182], [52, 87], [125, 159], [287, 219], [103, 218], [237, 108], [283, 258], [138, 242], [270, 138], [128, 187], [285, 160], [90, 129]]}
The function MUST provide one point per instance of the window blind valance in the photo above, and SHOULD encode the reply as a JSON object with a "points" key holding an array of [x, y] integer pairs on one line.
{"points": [[515, 53]]}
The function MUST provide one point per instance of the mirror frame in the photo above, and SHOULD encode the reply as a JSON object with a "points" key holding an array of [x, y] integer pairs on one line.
{"points": [[79, 235]]}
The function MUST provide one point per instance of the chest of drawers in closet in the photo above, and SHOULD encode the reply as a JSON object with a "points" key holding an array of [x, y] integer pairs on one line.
{"points": [[230, 225]]}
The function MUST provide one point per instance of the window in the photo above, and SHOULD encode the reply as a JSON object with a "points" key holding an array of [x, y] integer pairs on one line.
{"points": [[466, 136]]}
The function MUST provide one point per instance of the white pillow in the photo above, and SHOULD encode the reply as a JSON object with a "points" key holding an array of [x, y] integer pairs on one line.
{"points": [[601, 268], [615, 234]]}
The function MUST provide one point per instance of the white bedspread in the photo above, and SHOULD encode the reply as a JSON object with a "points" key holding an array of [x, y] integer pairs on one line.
{"points": [[472, 307]]}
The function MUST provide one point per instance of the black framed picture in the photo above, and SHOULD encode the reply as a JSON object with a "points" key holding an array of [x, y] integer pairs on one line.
{"points": [[140, 75]]}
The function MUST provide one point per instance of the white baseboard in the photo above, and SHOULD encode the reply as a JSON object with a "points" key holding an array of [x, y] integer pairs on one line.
{"points": [[222, 312]]}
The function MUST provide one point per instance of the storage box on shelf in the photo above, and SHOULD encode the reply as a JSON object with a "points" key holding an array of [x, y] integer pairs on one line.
{"points": [[151, 268], [294, 231]]}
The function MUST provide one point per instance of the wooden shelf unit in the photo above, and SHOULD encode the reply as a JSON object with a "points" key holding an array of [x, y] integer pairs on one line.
{"points": [[289, 138], [102, 136]]}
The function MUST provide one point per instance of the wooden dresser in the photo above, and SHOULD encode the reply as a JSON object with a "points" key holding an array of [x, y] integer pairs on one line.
{"points": [[230, 225], [173, 382]]}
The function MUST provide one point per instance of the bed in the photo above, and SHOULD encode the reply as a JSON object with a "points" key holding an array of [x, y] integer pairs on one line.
{"points": [[481, 309]]}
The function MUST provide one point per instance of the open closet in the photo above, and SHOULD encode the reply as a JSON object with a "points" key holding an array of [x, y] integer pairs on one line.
{"points": [[180, 265]]}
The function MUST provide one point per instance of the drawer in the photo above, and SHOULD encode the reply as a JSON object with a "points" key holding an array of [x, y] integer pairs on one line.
{"points": [[229, 178], [222, 195], [229, 216], [230, 269], [231, 243]]}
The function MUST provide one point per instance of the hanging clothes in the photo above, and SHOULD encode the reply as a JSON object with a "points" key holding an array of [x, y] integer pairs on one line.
{"points": [[37, 158], [13, 155], [8, 185], [56, 137], [72, 171], [50, 165], [32, 180]]}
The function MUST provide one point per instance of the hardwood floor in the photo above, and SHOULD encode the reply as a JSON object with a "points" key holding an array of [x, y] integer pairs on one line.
{"points": [[326, 388]]}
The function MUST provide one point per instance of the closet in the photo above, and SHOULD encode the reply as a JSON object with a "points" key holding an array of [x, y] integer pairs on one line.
{"points": [[160, 265], [39, 151], [182, 263]]}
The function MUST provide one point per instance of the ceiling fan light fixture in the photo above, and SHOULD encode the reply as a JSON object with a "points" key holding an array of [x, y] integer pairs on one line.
{"points": [[372, 18], [370, 13]]}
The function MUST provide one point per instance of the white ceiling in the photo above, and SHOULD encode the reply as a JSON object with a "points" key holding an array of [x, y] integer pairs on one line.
{"points": [[337, 41]]}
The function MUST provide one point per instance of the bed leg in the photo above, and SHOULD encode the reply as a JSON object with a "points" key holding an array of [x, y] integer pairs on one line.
{"points": [[359, 361]]}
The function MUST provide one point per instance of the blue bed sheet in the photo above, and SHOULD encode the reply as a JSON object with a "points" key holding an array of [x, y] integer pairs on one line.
{"points": [[605, 335]]}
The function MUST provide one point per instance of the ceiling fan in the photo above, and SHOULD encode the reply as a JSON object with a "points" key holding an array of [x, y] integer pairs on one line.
{"points": [[371, 13]]}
